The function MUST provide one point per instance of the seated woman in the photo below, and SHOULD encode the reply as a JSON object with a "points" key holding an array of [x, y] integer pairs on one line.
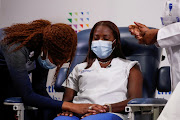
{"points": [[105, 78]]}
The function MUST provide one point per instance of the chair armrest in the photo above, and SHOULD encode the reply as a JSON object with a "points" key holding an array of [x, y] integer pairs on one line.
{"points": [[147, 102], [146, 106], [13, 100], [17, 103], [164, 79]]}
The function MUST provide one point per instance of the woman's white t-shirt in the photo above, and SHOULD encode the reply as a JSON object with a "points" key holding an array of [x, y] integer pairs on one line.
{"points": [[98, 85]]}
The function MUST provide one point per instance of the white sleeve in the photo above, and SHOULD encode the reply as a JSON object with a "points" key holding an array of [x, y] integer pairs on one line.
{"points": [[130, 65], [72, 80], [169, 35]]}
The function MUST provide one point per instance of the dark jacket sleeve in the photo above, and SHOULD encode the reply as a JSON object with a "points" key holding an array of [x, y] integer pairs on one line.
{"points": [[16, 63]]}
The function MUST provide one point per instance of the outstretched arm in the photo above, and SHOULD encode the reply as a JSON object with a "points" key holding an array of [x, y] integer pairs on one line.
{"points": [[165, 37]]}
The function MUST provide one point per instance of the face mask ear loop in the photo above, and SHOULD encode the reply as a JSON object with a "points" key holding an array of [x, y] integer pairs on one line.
{"points": [[112, 44], [113, 47], [113, 41]]}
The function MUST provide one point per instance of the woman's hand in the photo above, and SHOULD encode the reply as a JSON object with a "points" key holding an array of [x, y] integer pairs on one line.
{"points": [[136, 31], [65, 113], [83, 108], [95, 109], [89, 108]]}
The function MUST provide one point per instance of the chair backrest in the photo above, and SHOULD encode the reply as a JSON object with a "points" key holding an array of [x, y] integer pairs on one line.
{"points": [[148, 57]]}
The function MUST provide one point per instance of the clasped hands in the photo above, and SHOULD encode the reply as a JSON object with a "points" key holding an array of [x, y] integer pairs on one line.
{"points": [[143, 33], [90, 109]]}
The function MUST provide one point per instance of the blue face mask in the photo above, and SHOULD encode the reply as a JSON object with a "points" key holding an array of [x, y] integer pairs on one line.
{"points": [[46, 63], [101, 48]]}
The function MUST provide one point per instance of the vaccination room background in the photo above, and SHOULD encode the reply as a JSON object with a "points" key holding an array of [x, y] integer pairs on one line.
{"points": [[83, 14]]}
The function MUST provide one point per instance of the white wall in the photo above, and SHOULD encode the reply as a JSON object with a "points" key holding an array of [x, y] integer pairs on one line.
{"points": [[0, 13], [121, 12]]}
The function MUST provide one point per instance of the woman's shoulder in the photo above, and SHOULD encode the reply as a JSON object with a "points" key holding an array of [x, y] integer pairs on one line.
{"points": [[20, 55], [124, 62], [10, 48], [81, 65], [128, 64]]}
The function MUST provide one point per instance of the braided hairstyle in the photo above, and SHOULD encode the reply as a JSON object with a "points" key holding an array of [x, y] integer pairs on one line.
{"points": [[59, 40]]}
